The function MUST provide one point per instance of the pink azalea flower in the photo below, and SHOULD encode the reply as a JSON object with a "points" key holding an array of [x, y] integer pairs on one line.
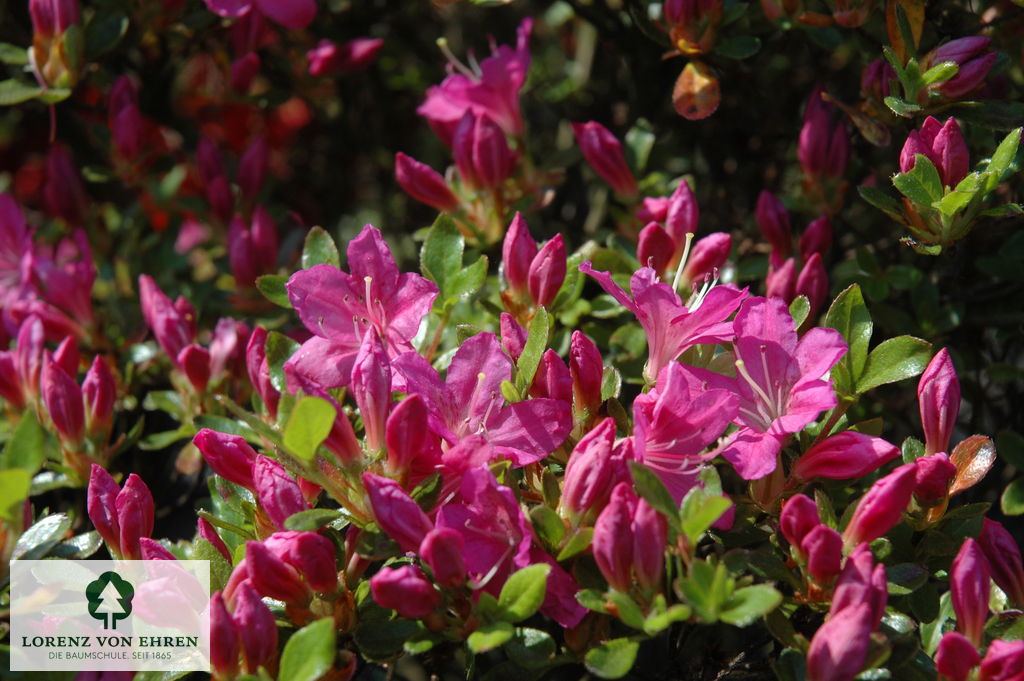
{"points": [[468, 402], [492, 89], [288, 13], [781, 381], [338, 307], [672, 327]]}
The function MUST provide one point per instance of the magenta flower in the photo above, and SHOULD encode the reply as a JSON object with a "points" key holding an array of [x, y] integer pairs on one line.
{"points": [[424, 184], [469, 402], [338, 307], [781, 381], [491, 89], [672, 327], [288, 13]]}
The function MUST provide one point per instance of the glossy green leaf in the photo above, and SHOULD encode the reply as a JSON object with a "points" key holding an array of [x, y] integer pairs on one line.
{"points": [[882, 201], [17, 91], [748, 604], [523, 592], [220, 568], [279, 348], [312, 519], [319, 249], [921, 184], [27, 447], [1012, 500], [894, 360], [612, 659], [654, 492], [309, 653], [490, 636], [37, 540], [530, 648], [799, 309], [849, 316], [533, 350], [15, 484], [272, 288], [308, 426], [13, 55]]}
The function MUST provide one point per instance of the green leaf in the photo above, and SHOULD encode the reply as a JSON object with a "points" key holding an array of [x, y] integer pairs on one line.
{"points": [[790, 666], [654, 492], [319, 249], [530, 648], [749, 603], [279, 348], [309, 653], [901, 107], [103, 33], [699, 511], [27, 447], [312, 519], [956, 200], [308, 426], [1003, 158], [799, 309], [14, 486], [882, 201], [533, 350], [441, 255], [592, 599], [578, 543], [220, 568], [548, 526], [380, 640], [272, 288], [37, 540], [894, 360], [940, 73], [629, 611], [849, 316], [79, 547], [523, 592], [14, 91], [921, 184], [490, 636], [639, 142], [1012, 501], [611, 383], [657, 622], [905, 578], [739, 47], [13, 55], [612, 659], [468, 280]]}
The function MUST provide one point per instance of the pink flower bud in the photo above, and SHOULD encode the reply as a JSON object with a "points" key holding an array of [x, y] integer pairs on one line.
{"points": [[329, 58], [173, 324], [277, 492], [848, 454], [209, 160], [218, 194], [653, 209], [10, 385], [683, 214], [547, 271], [229, 456], [823, 148], [650, 534], [613, 538], [955, 657], [589, 474], [396, 513], [971, 75], [824, 550], [961, 49], [125, 119], [813, 283], [840, 646], [135, 510], [1004, 559], [151, 549], [482, 154], [312, 555], [371, 387], [224, 639], [243, 71], [194, 360], [655, 247], [604, 153], [707, 255], [63, 192], [773, 220], [586, 367], [424, 184], [101, 505], [99, 390], [972, 57], [408, 435], [882, 507], [513, 336], [264, 239], [951, 153], [404, 590], [256, 626], [1003, 661], [442, 550], [227, 348], [799, 516], [259, 370], [206, 531], [29, 358], [781, 281], [935, 473], [63, 400], [252, 168], [875, 79], [817, 238], [272, 577], [517, 253], [861, 582], [938, 396], [969, 585], [552, 379]]}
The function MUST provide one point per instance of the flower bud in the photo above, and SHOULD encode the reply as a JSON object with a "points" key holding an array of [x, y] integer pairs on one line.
{"points": [[173, 324], [650, 534], [955, 657], [135, 511], [552, 379], [547, 272], [99, 390], [229, 456], [780, 281], [938, 396], [272, 577], [256, 626], [206, 531], [1003, 661], [194, 360], [823, 148], [971, 55], [840, 646], [63, 192], [613, 538], [682, 215], [513, 336], [517, 253], [243, 71], [882, 507], [330, 58], [277, 492], [586, 367], [29, 358], [408, 435], [209, 160], [773, 221], [971, 75], [1004, 559], [875, 79], [125, 119], [101, 505], [935, 473], [655, 247], [252, 168], [63, 400], [151, 549], [707, 255], [604, 153], [396, 513], [813, 283], [799, 516], [259, 370], [482, 154], [220, 198], [424, 184], [943, 145], [227, 348], [861, 582], [371, 387], [404, 590], [10, 385], [824, 550], [588, 474], [848, 454], [969, 586], [817, 238], [653, 209], [311, 554], [224, 639], [442, 550]]}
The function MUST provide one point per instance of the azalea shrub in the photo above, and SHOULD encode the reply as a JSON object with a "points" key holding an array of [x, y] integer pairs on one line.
{"points": [[673, 340]]}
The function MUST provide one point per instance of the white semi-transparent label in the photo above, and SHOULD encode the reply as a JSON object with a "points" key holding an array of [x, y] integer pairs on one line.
{"points": [[105, 615]]}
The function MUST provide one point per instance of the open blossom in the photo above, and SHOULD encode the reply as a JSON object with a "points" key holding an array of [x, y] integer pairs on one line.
{"points": [[492, 90], [672, 327], [338, 307], [469, 402]]}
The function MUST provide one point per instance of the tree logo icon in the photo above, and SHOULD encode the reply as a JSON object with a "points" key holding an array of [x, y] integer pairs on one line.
{"points": [[110, 599]]}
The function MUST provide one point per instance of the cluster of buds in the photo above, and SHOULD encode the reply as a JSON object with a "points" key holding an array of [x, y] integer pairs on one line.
{"points": [[943, 145], [122, 516], [58, 44], [603, 151], [329, 58], [973, 60], [823, 149], [970, 580], [629, 544], [787, 276], [692, 25], [249, 177], [815, 545], [248, 632], [174, 326], [534, 274], [596, 467], [252, 250]]}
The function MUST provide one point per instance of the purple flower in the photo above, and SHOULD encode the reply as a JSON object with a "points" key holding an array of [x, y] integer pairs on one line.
{"points": [[338, 307]]}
